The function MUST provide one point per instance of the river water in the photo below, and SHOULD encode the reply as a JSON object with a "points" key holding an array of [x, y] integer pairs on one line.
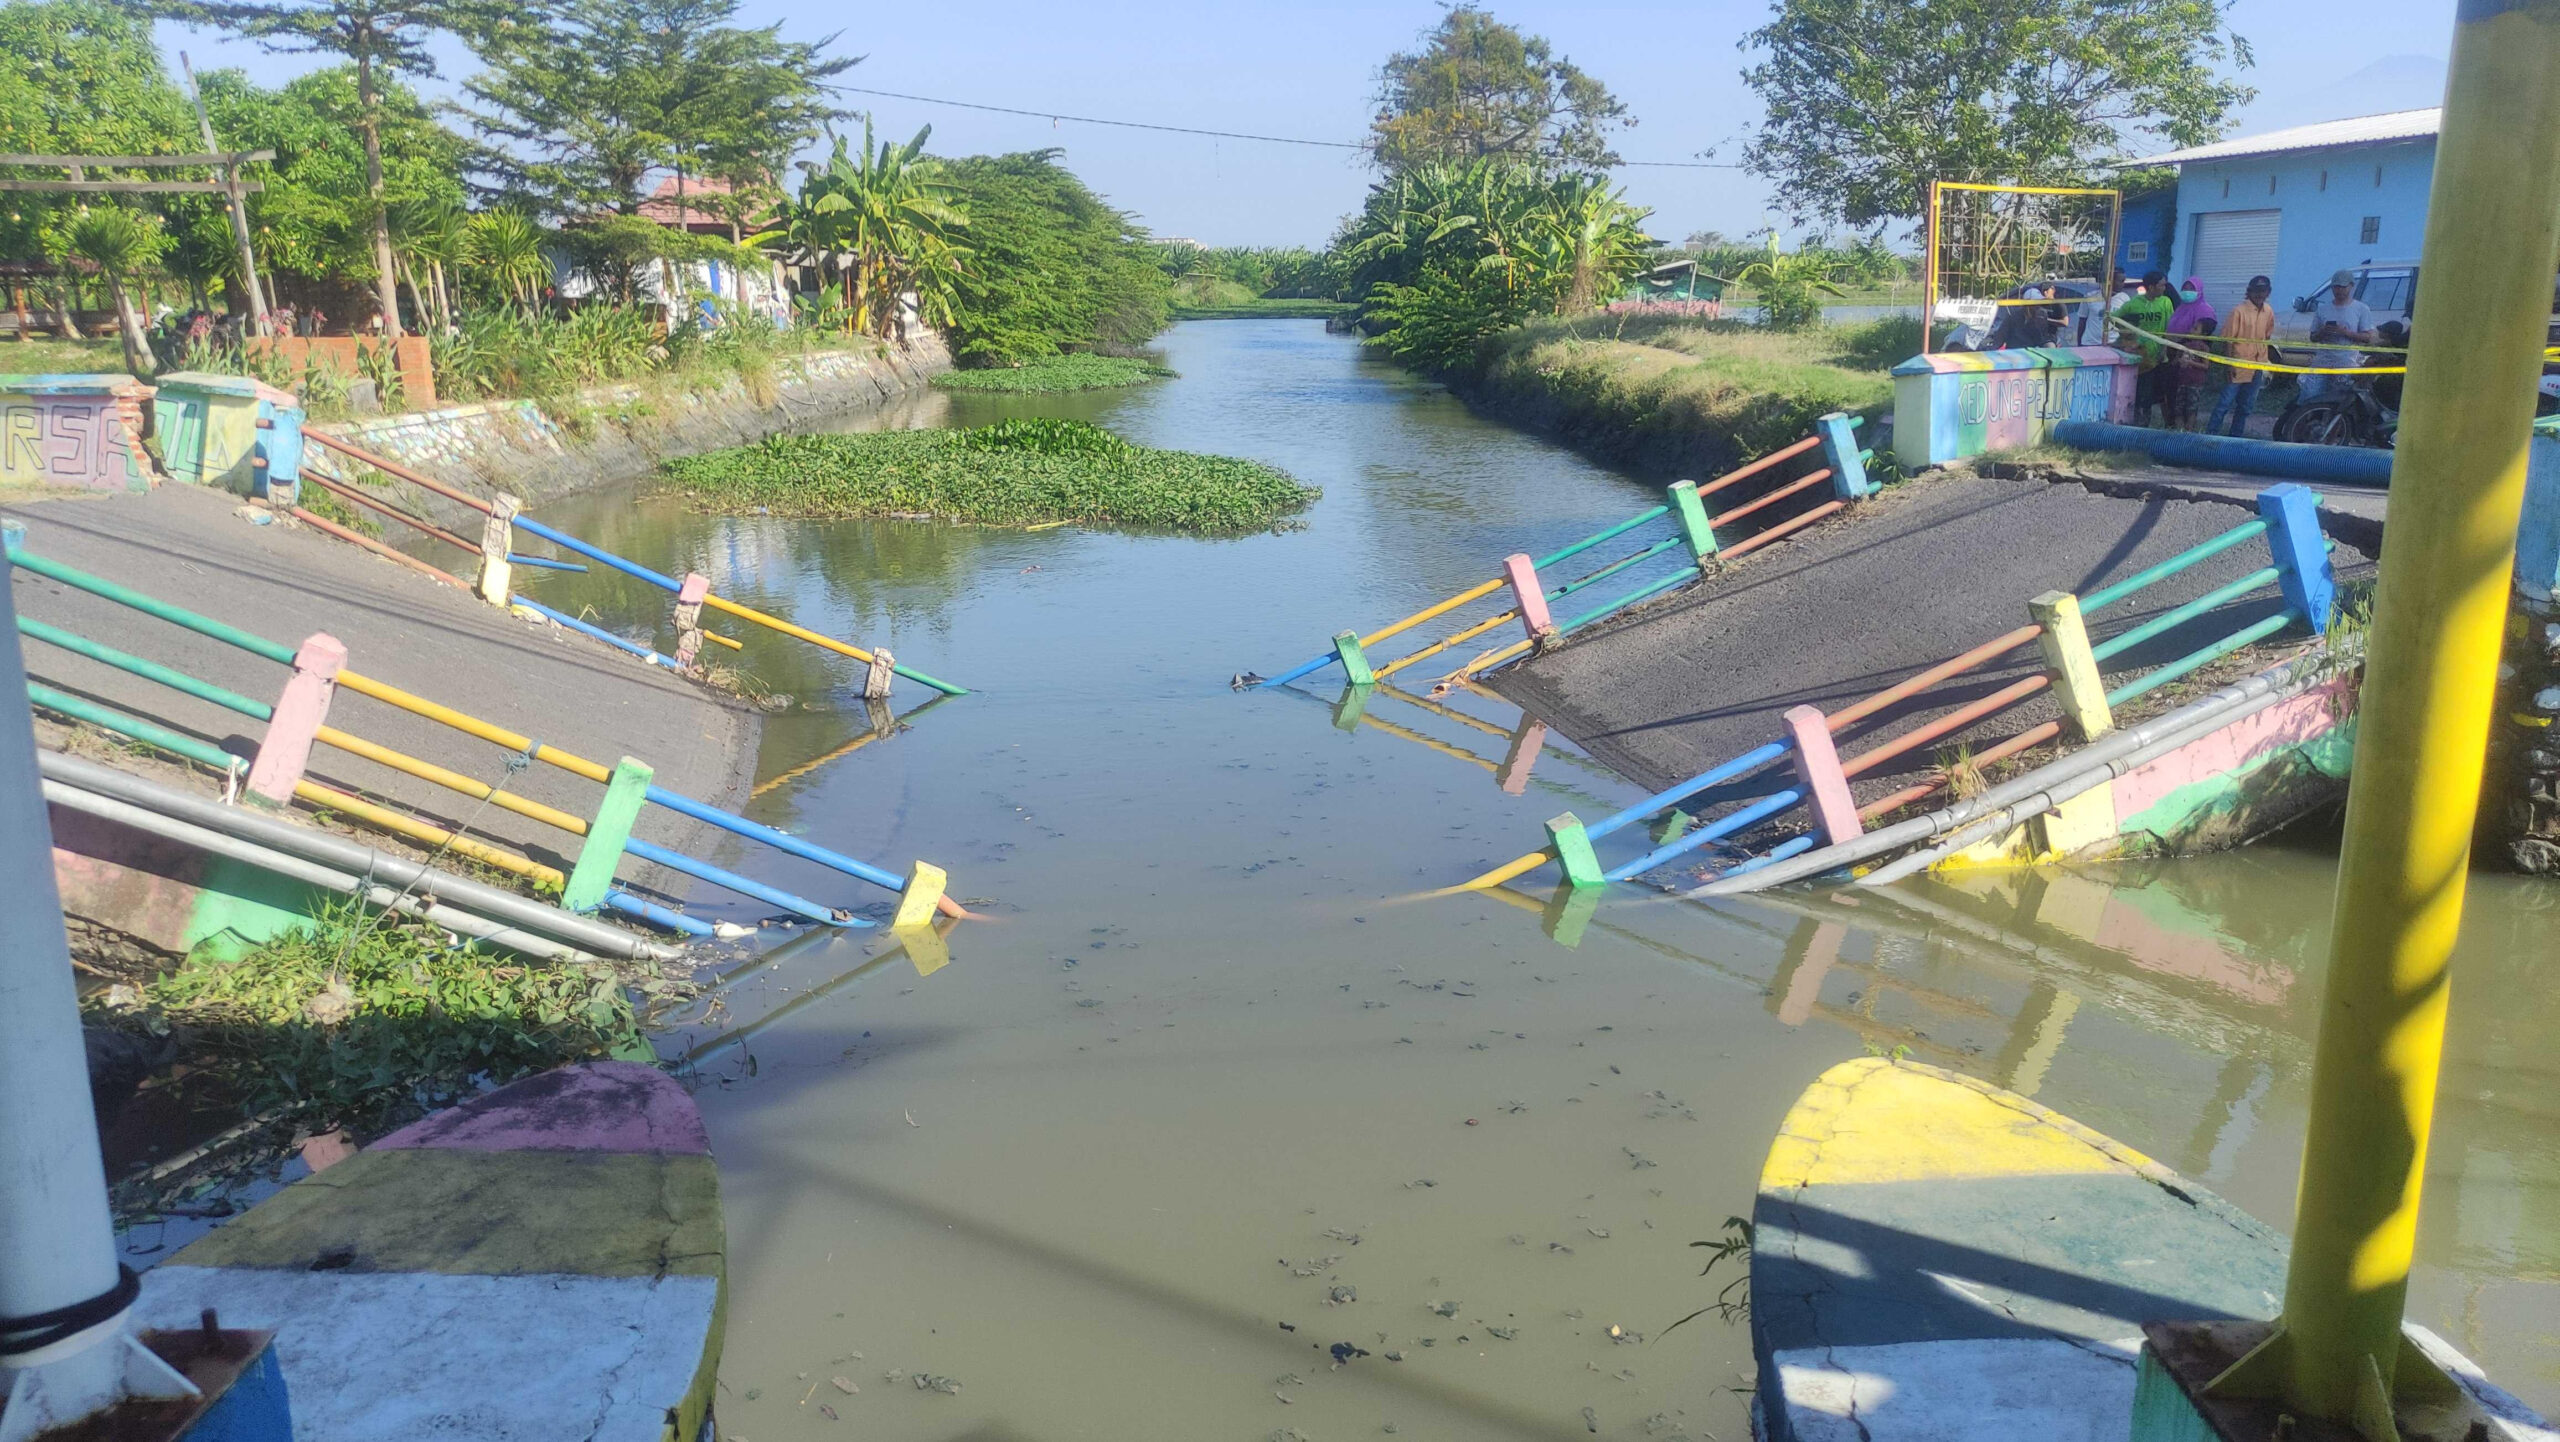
{"points": [[1210, 1096]]}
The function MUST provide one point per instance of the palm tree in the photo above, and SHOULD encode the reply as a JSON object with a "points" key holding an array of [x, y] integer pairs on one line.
{"points": [[507, 248], [119, 242], [1593, 239]]}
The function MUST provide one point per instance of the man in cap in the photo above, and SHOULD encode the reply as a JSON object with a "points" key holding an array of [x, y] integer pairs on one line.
{"points": [[2338, 317]]}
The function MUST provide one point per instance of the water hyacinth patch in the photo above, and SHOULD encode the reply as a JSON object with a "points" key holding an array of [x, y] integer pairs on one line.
{"points": [[1018, 472], [1052, 375]]}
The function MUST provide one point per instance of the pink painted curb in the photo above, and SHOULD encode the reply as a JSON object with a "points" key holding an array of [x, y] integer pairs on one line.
{"points": [[597, 1106], [1818, 766], [300, 711]]}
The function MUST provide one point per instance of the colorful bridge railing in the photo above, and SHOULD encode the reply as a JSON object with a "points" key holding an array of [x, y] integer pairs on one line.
{"points": [[497, 556], [1691, 543], [2289, 522], [298, 720]]}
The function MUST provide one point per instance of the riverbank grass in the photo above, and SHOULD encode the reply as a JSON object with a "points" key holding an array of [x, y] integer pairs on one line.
{"points": [[1633, 379], [1054, 375], [365, 1020], [1013, 473]]}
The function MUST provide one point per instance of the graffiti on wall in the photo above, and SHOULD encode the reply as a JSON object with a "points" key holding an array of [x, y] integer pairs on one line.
{"points": [[68, 440]]}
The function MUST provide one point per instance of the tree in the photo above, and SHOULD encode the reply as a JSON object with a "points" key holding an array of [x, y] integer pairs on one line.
{"points": [[384, 39], [583, 106], [119, 242], [78, 77], [1053, 266], [886, 219], [1869, 100], [1478, 87], [1791, 285]]}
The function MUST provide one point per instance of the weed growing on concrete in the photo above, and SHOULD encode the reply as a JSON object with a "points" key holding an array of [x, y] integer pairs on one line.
{"points": [[1019, 472], [1054, 374], [368, 1019]]}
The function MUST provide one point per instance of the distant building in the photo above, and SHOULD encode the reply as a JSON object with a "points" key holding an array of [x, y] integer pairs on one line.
{"points": [[2295, 205], [1678, 280]]}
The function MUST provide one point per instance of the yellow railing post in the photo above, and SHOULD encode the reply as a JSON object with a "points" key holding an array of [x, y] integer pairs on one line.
{"points": [[2493, 237]]}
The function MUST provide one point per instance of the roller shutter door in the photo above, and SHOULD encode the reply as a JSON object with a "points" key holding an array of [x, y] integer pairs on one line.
{"points": [[2231, 246]]}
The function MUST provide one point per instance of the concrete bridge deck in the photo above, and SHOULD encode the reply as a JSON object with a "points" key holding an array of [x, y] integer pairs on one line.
{"points": [[184, 545], [1921, 572]]}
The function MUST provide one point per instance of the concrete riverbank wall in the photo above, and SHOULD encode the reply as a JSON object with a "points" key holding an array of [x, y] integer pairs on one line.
{"points": [[620, 431]]}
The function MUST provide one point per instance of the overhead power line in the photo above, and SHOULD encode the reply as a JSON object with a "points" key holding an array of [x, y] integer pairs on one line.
{"points": [[1054, 116]]}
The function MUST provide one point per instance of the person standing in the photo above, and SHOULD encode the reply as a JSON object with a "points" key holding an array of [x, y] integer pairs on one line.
{"points": [[2340, 318], [2144, 319], [2246, 331], [2191, 326]]}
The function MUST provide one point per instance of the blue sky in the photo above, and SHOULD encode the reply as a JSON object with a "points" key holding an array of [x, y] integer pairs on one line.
{"points": [[1308, 70]]}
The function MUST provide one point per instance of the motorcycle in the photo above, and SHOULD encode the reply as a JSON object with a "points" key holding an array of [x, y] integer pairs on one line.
{"points": [[2365, 412]]}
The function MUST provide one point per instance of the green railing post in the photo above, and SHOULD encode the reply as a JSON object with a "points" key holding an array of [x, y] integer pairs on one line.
{"points": [[625, 791]]}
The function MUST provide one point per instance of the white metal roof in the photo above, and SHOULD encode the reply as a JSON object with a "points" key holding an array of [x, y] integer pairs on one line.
{"points": [[2326, 135]]}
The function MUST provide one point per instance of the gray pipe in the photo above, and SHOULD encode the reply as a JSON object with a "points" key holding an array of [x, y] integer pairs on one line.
{"points": [[264, 858], [1920, 829], [2060, 791], [349, 856]]}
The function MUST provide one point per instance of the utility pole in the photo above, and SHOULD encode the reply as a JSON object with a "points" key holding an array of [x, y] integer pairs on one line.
{"points": [[65, 1350], [2431, 663], [238, 206]]}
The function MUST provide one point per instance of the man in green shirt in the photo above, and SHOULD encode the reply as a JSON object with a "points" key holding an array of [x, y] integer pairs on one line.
{"points": [[2142, 321]]}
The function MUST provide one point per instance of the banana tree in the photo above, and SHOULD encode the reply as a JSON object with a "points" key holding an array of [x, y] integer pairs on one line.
{"points": [[884, 219]]}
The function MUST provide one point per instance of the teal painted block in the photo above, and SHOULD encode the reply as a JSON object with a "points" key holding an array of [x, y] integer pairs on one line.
{"points": [[1695, 528], [2161, 1410], [1573, 851], [1355, 662], [625, 791]]}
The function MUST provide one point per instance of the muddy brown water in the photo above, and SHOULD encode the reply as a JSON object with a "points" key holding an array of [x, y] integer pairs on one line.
{"points": [[1208, 1098]]}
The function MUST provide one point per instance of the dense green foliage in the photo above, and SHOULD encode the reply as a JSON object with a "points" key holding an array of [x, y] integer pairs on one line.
{"points": [[1869, 100], [1017, 473], [1445, 255], [1055, 268], [1288, 272], [1054, 374], [887, 220], [366, 1018], [584, 107], [1477, 87]]}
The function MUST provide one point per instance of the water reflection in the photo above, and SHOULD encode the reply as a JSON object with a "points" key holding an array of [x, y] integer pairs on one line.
{"points": [[2172, 1004], [1193, 1039]]}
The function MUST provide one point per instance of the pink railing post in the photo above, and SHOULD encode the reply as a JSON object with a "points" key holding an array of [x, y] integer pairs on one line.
{"points": [[300, 711], [1529, 595], [1826, 790]]}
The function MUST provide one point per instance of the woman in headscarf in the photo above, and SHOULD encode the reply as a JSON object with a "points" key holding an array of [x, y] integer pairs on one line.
{"points": [[2193, 320]]}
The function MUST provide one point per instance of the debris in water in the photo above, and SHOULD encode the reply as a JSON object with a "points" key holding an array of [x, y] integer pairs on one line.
{"points": [[1590, 1419], [827, 1412], [1244, 680], [1471, 1121], [1559, 1247], [1638, 1161], [1339, 1295], [1601, 1232], [1340, 1235], [1285, 1399], [1424, 1182], [845, 1385], [1445, 1309], [1515, 1108], [1344, 1352], [1288, 1326], [1505, 1333], [1288, 1379], [1395, 1356], [927, 1382]]}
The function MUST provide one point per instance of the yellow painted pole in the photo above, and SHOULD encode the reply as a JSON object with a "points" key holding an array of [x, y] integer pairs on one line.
{"points": [[450, 780], [389, 694], [1508, 870], [1444, 608], [389, 820], [2493, 238], [1436, 647]]}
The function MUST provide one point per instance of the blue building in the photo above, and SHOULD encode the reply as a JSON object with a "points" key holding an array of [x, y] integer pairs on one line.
{"points": [[2295, 205], [2146, 232]]}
